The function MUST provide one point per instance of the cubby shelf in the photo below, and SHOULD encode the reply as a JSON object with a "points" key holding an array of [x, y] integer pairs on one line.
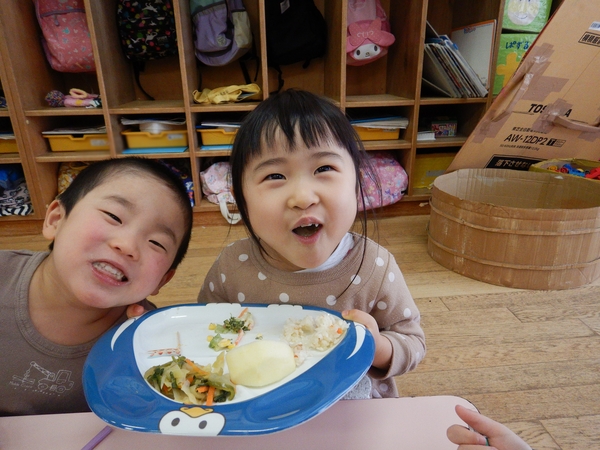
{"points": [[391, 84]]}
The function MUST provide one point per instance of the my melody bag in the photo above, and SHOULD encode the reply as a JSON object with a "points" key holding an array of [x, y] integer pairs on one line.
{"points": [[216, 186]]}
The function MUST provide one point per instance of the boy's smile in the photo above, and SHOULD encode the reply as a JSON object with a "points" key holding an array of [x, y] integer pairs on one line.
{"points": [[117, 244], [301, 202]]}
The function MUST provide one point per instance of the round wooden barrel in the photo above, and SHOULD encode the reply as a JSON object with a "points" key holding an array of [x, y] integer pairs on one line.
{"points": [[527, 230]]}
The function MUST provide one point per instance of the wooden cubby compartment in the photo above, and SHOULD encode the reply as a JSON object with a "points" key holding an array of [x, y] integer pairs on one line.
{"points": [[390, 85]]}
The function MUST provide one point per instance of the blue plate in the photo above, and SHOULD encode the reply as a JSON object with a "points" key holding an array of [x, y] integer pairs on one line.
{"points": [[117, 392]]}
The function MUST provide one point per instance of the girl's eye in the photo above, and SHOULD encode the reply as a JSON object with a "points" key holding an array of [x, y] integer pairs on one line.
{"points": [[324, 169], [113, 217], [158, 244], [274, 176]]}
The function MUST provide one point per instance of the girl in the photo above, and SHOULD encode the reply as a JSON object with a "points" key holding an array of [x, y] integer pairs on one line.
{"points": [[295, 165]]}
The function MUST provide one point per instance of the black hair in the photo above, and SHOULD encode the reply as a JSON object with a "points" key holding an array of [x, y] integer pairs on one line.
{"points": [[295, 114], [100, 172]]}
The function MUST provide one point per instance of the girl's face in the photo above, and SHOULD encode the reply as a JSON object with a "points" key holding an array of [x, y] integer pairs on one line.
{"points": [[301, 203]]}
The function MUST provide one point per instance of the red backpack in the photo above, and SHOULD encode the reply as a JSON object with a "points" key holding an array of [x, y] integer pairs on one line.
{"points": [[65, 35]]}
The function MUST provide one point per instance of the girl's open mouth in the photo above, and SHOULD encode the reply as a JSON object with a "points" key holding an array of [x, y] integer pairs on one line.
{"points": [[307, 230]]}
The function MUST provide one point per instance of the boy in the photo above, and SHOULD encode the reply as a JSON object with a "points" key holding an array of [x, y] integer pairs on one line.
{"points": [[118, 233]]}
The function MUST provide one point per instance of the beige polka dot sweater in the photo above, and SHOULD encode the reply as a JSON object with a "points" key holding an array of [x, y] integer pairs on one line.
{"points": [[242, 275]]}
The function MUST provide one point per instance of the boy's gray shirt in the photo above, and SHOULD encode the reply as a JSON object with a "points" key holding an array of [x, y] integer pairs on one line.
{"points": [[37, 376]]}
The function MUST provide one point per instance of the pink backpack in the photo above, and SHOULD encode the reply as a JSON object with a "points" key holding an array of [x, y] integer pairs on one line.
{"points": [[66, 37], [216, 186], [392, 178], [368, 36]]}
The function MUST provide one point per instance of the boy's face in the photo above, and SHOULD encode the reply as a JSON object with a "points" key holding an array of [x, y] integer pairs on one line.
{"points": [[116, 246], [301, 203]]}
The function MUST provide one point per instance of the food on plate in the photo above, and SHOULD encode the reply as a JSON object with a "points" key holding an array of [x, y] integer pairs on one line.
{"points": [[243, 322], [260, 363], [320, 332], [184, 381]]}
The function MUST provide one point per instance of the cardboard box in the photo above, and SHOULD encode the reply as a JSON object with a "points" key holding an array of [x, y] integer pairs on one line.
{"points": [[527, 230], [511, 49], [583, 166], [526, 15], [550, 108]]}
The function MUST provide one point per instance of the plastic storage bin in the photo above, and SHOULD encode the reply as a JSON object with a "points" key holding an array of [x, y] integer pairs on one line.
{"points": [[145, 139], [8, 146], [377, 134], [217, 136], [76, 142]]}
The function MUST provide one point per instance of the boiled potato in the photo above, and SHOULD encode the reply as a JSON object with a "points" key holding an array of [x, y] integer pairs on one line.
{"points": [[260, 363]]}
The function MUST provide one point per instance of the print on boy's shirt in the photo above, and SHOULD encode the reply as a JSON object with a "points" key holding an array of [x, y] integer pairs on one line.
{"points": [[40, 379]]}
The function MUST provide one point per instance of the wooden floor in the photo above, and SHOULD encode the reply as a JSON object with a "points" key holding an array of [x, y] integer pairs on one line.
{"points": [[524, 358]]}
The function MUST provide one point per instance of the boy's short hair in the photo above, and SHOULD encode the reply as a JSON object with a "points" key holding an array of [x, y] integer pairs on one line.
{"points": [[98, 172]]}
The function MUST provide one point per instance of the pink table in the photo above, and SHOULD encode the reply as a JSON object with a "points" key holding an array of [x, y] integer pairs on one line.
{"points": [[412, 423]]}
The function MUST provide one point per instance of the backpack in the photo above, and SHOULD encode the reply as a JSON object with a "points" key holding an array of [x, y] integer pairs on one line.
{"points": [[295, 32], [65, 35], [368, 34], [392, 178], [147, 31], [216, 186], [222, 31]]}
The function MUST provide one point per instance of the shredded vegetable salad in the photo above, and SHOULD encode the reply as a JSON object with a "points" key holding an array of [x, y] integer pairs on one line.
{"points": [[184, 381], [233, 325]]}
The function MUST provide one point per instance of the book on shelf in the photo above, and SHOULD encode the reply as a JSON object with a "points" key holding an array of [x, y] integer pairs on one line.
{"points": [[385, 123], [476, 43], [426, 135], [77, 130], [446, 68]]}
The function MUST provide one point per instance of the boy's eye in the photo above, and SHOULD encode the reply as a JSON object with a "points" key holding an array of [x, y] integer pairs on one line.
{"points": [[324, 169], [158, 244], [274, 176], [113, 217]]}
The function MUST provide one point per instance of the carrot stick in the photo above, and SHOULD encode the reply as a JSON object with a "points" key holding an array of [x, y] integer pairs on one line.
{"points": [[210, 396], [201, 389], [239, 336], [195, 367], [243, 312]]}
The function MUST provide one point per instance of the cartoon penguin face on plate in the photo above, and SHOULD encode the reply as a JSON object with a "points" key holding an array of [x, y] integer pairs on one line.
{"points": [[192, 421]]}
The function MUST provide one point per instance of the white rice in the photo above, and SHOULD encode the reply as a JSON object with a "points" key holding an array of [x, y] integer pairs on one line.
{"points": [[320, 332]]}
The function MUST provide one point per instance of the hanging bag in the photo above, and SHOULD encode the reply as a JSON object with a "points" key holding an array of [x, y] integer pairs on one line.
{"points": [[296, 32], [391, 183], [147, 32], [368, 36], [221, 31], [65, 35], [216, 186]]}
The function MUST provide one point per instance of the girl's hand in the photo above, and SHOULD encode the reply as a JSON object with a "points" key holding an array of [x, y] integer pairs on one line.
{"points": [[499, 437], [383, 347], [135, 310]]}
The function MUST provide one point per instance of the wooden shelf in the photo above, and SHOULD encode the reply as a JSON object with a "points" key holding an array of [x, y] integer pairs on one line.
{"points": [[391, 85]]}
